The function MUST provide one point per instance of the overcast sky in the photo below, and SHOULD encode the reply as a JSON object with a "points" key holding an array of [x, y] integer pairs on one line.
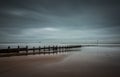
{"points": [[23, 20]]}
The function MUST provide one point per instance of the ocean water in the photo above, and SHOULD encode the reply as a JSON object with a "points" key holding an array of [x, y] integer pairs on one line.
{"points": [[51, 42], [37, 44]]}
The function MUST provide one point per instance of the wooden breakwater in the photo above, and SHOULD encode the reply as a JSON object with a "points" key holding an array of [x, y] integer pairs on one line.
{"points": [[36, 50]]}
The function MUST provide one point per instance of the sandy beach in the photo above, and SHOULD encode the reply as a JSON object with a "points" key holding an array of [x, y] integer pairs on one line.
{"points": [[87, 62]]}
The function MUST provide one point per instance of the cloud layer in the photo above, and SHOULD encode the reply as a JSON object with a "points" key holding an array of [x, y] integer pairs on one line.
{"points": [[59, 19]]}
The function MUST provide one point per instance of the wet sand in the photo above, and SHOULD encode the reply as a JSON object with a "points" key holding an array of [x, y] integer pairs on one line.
{"points": [[87, 62]]}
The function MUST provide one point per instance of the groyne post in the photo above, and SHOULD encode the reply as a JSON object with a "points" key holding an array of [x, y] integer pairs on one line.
{"points": [[60, 48], [33, 50], [53, 48], [18, 49], [8, 50], [39, 49], [56, 48], [26, 50], [44, 48], [48, 48]]}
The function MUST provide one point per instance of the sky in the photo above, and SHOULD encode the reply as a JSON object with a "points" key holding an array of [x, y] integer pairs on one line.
{"points": [[33, 20]]}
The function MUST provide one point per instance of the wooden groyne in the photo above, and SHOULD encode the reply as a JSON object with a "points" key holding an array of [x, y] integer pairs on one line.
{"points": [[37, 50]]}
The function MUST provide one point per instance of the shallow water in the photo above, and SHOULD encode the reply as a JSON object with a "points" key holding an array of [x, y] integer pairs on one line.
{"points": [[87, 62]]}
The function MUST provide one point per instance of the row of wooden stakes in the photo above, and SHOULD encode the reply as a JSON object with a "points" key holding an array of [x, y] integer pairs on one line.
{"points": [[42, 49]]}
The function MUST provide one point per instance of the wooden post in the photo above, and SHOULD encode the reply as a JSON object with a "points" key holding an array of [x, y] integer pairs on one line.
{"points": [[65, 48], [8, 51], [56, 49], [33, 50], [39, 49], [68, 46], [18, 49], [53, 48], [44, 48], [26, 50], [49, 48], [59, 48]]}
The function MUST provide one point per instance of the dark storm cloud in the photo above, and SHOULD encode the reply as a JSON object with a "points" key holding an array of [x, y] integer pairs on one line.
{"points": [[101, 16]]}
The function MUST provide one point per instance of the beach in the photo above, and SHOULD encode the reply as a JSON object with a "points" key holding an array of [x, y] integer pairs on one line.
{"points": [[87, 62]]}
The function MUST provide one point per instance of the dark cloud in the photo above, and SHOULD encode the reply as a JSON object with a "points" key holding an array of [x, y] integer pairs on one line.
{"points": [[101, 16]]}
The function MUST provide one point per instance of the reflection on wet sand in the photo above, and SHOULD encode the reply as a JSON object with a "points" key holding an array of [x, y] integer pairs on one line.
{"points": [[89, 62]]}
